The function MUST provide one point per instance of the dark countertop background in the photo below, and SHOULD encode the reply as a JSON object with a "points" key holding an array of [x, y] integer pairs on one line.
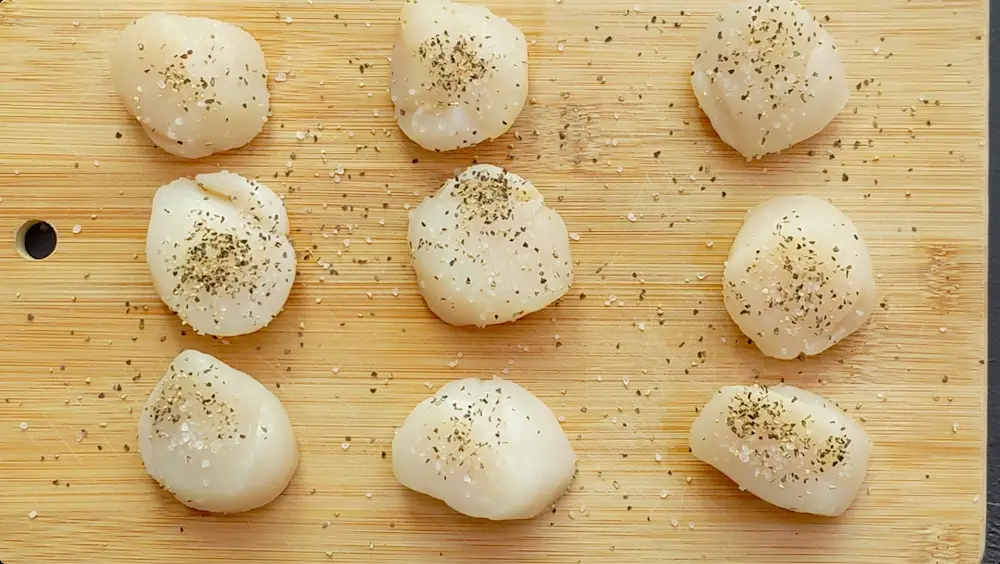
{"points": [[992, 554]]}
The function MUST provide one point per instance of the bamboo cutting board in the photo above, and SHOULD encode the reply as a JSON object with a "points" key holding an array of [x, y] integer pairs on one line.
{"points": [[640, 342]]}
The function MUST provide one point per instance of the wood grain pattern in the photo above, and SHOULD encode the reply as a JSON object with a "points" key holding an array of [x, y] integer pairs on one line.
{"points": [[83, 337]]}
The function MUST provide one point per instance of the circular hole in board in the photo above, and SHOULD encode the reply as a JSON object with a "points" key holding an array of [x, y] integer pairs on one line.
{"points": [[36, 239]]}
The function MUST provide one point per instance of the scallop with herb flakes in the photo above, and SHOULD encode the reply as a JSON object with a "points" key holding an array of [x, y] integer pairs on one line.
{"points": [[488, 448], [768, 76], [487, 250], [197, 86], [216, 438], [787, 446], [219, 253], [459, 74], [799, 277]]}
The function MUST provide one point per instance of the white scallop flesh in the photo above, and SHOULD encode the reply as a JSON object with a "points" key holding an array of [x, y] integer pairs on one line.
{"points": [[215, 438], [459, 74], [219, 253], [799, 277], [196, 86], [487, 250], [768, 76], [787, 446], [488, 448]]}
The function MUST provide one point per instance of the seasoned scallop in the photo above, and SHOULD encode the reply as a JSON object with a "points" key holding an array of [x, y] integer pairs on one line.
{"points": [[459, 74], [787, 446], [219, 253], [487, 448], [196, 86], [768, 76], [216, 438], [487, 250], [799, 277]]}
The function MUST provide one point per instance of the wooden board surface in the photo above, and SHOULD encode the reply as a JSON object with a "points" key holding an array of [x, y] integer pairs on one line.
{"points": [[641, 340]]}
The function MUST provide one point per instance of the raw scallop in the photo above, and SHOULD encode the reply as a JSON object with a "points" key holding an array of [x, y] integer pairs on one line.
{"points": [[768, 76], [219, 253], [197, 86], [487, 250], [459, 74], [799, 277], [487, 448], [787, 446], [216, 438]]}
